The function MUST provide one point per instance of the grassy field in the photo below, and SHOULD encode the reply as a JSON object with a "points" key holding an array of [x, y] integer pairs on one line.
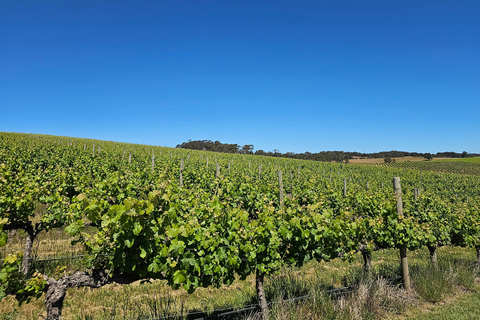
{"points": [[380, 160], [475, 160], [462, 306], [468, 166]]}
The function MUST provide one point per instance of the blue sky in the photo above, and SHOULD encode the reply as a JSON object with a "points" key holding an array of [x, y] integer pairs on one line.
{"points": [[291, 75]]}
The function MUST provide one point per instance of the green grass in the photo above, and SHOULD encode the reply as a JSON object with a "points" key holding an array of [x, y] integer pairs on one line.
{"points": [[467, 307]]}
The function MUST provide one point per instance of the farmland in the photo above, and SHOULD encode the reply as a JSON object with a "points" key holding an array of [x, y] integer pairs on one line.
{"points": [[468, 166], [256, 227]]}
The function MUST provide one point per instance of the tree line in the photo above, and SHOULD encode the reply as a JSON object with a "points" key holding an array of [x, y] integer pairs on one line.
{"points": [[216, 146], [325, 156]]}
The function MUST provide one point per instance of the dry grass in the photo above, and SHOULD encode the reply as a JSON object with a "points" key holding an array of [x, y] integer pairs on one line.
{"points": [[370, 299], [47, 244], [358, 160]]}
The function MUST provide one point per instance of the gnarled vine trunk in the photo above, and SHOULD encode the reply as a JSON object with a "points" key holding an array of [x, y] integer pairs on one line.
{"points": [[367, 262], [262, 300], [57, 288], [433, 255], [478, 256], [367, 259], [27, 253], [32, 232]]}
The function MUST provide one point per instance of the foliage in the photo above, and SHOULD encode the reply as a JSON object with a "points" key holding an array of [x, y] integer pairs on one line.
{"points": [[225, 217], [12, 281]]}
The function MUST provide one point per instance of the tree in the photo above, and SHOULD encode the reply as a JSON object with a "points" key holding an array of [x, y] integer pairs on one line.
{"points": [[428, 156], [247, 149], [260, 153]]}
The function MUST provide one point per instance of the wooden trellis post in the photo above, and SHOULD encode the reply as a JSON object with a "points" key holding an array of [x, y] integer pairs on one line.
{"points": [[403, 248], [181, 172], [280, 187]]}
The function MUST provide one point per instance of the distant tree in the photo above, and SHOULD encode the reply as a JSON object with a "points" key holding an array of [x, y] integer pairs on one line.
{"points": [[387, 160], [260, 152], [428, 156], [216, 146], [464, 154], [449, 154], [247, 149]]}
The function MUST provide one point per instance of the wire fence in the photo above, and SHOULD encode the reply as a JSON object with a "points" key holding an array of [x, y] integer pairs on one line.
{"points": [[55, 242]]}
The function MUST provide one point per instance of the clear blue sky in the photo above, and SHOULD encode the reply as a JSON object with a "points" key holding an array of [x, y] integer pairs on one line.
{"points": [[290, 75]]}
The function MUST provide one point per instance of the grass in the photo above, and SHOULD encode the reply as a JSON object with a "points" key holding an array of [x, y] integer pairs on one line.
{"points": [[464, 306], [473, 160], [434, 284], [465, 309], [465, 166], [381, 160], [373, 297], [368, 298], [53, 243]]}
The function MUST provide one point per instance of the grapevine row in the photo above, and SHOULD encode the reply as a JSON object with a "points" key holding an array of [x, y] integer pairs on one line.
{"points": [[198, 219]]}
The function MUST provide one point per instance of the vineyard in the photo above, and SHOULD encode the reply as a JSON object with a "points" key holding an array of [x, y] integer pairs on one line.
{"points": [[107, 212]]}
